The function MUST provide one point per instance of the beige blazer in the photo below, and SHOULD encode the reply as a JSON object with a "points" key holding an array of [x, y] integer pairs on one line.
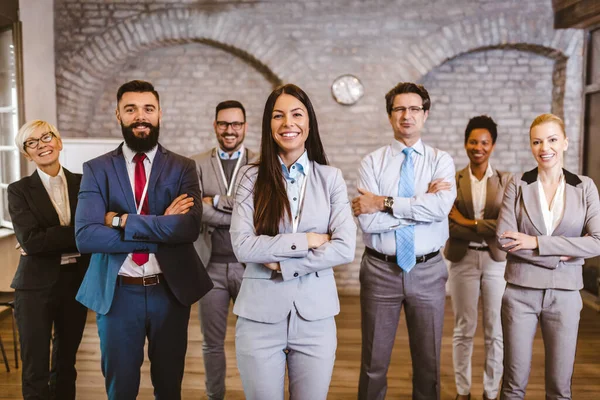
{"points": [[211, 184], [460, 236], [521, 211]]}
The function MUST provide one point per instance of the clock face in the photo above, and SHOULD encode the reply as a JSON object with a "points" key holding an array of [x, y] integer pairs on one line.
{"points": [[347, 89]]}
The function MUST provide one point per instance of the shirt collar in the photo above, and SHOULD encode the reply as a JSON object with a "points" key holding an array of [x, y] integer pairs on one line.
{"points": [[489, 172], [46, 178], [223, 155], [300, 165], [129, 154], [398, 146]]}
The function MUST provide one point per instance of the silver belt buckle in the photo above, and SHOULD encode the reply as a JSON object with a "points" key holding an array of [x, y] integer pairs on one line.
{"points": [[151, 280]]}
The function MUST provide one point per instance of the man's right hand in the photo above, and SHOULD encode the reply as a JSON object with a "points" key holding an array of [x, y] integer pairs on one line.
{"points": [[317, 239], [438, 185], [181, 205]]}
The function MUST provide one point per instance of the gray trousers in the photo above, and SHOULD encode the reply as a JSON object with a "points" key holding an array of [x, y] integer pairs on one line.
{"points": [[477, 275], [213, 310], [307, 347], [558, 314], [385, 288]]}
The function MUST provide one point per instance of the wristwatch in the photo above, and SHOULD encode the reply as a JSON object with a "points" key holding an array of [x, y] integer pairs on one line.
{"points": [[388, 204], [116, 221]]}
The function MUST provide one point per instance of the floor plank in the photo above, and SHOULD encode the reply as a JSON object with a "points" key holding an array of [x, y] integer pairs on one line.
{"points": [[90, 383]]}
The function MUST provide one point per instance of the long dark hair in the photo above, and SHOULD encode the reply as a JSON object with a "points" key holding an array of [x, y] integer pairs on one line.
{"points": [[271, 204]]}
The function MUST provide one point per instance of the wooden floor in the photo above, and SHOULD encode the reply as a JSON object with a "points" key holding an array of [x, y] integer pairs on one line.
{"points": [[90, 383]]}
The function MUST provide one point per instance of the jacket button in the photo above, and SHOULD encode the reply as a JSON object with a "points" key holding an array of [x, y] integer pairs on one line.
{"points": [[295, 274], [293, 247]]}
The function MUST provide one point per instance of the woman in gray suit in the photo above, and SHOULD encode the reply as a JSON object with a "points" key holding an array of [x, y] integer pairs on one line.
{"points": [[291, 224], [549, 222]]}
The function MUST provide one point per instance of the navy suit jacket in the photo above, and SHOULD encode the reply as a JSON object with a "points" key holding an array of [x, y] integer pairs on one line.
{"points": [[106, 187]]}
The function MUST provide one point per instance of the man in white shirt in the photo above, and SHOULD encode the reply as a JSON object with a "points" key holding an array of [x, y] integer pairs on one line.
{"points": [[406, 192]]}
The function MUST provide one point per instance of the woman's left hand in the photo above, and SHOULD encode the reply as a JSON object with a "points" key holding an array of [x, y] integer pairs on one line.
{"points": [[520, 241], [274, 266]]}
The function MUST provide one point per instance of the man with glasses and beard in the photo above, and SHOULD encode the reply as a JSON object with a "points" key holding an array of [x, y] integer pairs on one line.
{"points": [[139, 213], [217, 172]]}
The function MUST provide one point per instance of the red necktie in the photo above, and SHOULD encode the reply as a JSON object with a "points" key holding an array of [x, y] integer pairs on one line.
{"points": [[140, 183]]}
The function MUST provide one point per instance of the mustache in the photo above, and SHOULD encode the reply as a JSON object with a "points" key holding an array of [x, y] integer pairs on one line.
{"points": [[227, 135]]}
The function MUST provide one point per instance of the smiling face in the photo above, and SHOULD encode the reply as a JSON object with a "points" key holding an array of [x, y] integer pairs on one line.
{"points": [[139, 115], [230, 139], [289, 124], [479, 146], [548, 143], [46, 154]]}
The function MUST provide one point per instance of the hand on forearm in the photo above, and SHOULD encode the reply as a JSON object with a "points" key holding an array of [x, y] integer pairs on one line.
{"points": [[317, 239], [181, 205], [438, 185], [520, 241], [460, 219], [367, 203]]}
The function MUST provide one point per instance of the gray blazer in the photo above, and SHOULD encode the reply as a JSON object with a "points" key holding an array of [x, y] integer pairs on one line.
{"points": [[460, 236], [306, 280], [211, 184], [521, 212]]}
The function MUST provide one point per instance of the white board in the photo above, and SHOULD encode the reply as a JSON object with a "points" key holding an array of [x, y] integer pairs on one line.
{"points": [[77, 151]]}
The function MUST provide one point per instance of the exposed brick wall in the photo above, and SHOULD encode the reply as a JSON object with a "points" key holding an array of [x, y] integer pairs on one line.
{"points": [[460, 49]]}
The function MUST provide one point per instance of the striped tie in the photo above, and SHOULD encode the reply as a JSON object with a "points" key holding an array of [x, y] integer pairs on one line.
{"points": [[405, 236]]}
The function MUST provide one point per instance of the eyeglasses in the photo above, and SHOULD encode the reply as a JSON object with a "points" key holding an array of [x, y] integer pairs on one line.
{"points": [[411, 110], [34, 143], [236, 125]]}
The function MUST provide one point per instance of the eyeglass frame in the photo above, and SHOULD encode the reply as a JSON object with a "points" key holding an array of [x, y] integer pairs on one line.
{"points": [[37, 141], [411, 110], [228, 124]]}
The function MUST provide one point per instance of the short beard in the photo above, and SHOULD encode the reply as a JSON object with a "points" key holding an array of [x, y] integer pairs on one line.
{"points": [[144, 144]]}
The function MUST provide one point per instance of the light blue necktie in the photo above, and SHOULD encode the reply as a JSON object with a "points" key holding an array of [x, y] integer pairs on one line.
{"points": [[405, 236]]}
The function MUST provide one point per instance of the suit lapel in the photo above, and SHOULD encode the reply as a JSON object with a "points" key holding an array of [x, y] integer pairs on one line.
{"points": [[491, 191], [158, 164], [215, 161], [464, 183], [573, 197], [40, 197], [123, 178], [73, 182], [533, 207]]}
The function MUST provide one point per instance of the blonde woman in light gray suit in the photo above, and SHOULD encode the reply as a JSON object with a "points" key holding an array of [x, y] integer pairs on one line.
{"points": [[291, 224], [477, 265], [549, 222]]}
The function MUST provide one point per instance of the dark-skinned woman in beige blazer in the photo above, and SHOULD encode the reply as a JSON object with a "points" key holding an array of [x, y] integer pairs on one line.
{"points": [[549, 223]]}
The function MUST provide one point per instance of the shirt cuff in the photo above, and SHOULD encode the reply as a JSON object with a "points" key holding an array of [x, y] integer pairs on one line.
{"points": [[216, 200], [402, 208]]}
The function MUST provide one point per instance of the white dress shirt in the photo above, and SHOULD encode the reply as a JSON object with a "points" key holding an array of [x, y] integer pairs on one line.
{"points": [[554, 211], [59, 197], [380, 174], [479, 194], [130, 268]]}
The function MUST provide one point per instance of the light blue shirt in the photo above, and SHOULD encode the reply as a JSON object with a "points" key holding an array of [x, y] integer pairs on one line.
{"points": [[294, 178], [380, 174], [223, 155]]}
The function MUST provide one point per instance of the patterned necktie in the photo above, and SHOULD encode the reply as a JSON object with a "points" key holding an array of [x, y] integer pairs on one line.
{"points": [[405, 236], [140, 183]]}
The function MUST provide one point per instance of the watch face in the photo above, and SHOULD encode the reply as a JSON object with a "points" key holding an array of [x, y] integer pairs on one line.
{"points": [[347, 89], [116, 222]]}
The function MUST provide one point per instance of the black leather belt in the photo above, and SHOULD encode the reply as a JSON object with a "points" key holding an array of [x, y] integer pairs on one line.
{"points": [[392, 259], [479, 248], [149, 280]]}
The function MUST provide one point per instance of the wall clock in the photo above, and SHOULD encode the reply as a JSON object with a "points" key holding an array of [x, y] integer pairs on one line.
{"points": [[347, 89]]}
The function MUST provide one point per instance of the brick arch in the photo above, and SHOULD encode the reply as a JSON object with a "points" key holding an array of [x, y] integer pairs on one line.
{"points": [[86, 70]]}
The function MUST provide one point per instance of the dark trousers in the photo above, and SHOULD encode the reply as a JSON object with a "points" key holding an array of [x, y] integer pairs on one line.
{"points": [[384, 290], [37, 312], [138, 312]]}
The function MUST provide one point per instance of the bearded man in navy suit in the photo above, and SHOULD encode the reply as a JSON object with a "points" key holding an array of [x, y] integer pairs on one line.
{"points": [[139, 213]]}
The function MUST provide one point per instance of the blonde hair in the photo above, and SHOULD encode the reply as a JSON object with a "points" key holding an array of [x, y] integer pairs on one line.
{"points": [[547, 118], [27, 130]]}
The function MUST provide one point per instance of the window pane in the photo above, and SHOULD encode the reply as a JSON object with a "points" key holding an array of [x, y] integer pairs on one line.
{"points": [[8, 90], [4, 202], [9, 166], [593, 56]]}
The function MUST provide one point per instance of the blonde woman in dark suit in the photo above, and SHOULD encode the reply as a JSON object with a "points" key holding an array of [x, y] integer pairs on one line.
{"points": [[549, 222], [477, 265]]}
